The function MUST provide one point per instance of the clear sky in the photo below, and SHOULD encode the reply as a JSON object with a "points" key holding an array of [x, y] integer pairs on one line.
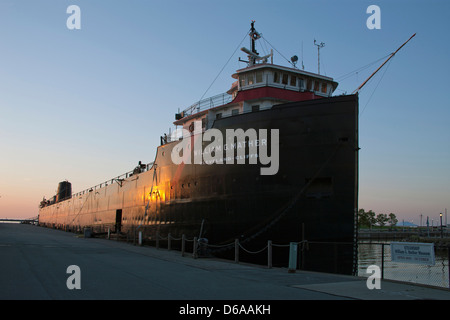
{"points": [[86, 105]]}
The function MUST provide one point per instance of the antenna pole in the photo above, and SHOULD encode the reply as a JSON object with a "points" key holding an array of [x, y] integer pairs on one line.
{"points": [[303, 66], [254, 35], [319, 46], [252, 31], [392, 54]]}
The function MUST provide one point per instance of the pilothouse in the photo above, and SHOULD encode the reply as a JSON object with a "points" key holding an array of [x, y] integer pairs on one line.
{"points": [[259, 86]]}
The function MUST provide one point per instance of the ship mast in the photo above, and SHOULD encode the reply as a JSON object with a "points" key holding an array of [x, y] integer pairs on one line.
{"points": [[254, 35], [391, 55], [253, 55]]}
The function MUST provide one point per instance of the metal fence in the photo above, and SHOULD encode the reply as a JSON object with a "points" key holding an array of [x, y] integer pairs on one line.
{"points": [[379, 254], [332, 257]]}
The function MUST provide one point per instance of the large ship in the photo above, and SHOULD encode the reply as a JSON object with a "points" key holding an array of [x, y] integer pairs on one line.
{"points": [[274, 158]]}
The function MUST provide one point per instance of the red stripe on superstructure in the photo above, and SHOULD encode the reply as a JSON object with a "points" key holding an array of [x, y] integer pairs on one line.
{"points": [[275, 93], [261, 93]]}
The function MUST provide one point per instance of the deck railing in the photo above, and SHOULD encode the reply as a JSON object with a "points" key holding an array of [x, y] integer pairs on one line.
{"points": [[208, 103], [118, 179]]}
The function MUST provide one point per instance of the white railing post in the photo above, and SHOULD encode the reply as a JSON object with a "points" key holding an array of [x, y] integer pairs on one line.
{"points": [[195, 254], [183, 244]]}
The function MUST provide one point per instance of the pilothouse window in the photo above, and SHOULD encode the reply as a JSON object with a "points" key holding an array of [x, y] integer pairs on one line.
{"points": [[316, 85], [293, 81], [250, 77], [301, 83], [259, 76], [276, 77], [242, 80]]}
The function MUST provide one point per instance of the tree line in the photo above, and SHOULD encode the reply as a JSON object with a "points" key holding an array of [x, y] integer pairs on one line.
{"points": [[369, 218]]}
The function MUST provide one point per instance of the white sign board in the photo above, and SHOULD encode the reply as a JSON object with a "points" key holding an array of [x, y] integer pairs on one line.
{"points": [[413, 252]]}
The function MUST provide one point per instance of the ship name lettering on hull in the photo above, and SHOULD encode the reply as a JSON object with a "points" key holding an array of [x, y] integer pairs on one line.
{"points": [[220, 151]]}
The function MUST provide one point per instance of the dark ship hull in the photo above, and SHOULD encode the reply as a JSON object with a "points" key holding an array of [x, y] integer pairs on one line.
{"points": [[312, 197]]}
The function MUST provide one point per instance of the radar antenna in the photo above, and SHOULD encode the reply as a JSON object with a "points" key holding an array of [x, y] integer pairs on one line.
{"points": [[253, 55]]}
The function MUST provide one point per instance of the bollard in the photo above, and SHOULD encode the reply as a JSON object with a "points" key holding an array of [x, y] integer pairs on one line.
{"points": [[236, 250], [109, 232], [183, 244], [292, 257], [140, 238], [194, 253], [269, 254]]}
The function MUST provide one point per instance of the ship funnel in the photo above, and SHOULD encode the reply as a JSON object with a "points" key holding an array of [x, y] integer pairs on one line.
{"points": [[64, 191]]}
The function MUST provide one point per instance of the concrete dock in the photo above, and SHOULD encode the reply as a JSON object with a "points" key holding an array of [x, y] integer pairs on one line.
{"points": [[34, 263]]}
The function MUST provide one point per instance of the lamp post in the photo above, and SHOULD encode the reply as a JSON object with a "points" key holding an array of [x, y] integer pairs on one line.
{"points": [[440, 215]]}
